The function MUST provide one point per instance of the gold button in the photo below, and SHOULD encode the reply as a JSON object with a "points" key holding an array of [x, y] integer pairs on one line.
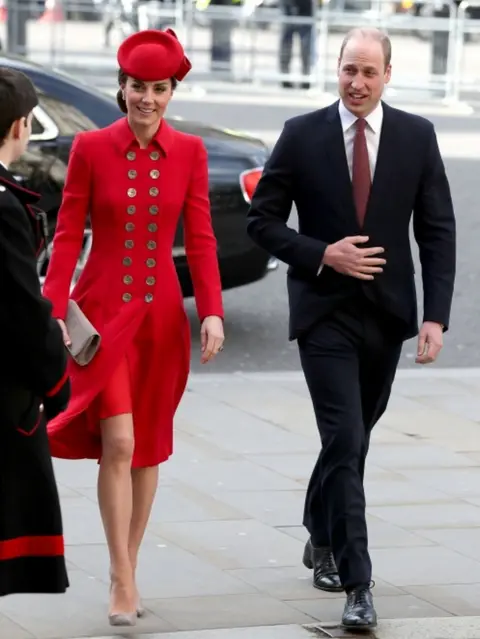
{"points": [[155, 174], [154, 155], [130, 226], [153, 191], [131, 210], [131, 193], [153, 209], [151, 245], [126, 297], [129, 244], [132, 174], [128, 279], [148, 297], [150, 281], [131, 155], [127, 261], [152, 227], [151, 262]]}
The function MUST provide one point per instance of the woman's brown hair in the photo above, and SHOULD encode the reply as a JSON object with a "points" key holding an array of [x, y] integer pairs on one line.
{"points": [[122, 79]]}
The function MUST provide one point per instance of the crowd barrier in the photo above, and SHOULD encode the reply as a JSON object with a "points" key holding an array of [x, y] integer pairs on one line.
{"points": [[436, 47]]}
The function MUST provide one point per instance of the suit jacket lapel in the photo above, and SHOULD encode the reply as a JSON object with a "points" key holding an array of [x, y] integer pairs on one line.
{"points": [[387, 156], [338, 165]]}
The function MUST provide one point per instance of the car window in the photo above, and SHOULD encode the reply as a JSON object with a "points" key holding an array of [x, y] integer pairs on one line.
{"points": [[37, 128], [68, 119]]}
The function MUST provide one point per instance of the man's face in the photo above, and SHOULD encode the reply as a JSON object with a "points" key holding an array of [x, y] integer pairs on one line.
{"points": [[362, 75]]}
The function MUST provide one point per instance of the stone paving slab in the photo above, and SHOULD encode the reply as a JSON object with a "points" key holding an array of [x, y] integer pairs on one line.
{"points": [[455, 628], [224, 545]]}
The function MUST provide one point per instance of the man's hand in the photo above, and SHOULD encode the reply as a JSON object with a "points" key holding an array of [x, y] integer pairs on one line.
{"points": [[346, 258], [430, 342]]}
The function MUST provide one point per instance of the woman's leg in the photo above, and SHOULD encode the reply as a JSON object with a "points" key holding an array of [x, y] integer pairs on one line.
{"points": [[144, 483], [115, 500]]}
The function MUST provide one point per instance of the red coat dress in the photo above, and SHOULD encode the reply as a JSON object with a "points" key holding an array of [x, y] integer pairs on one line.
{"points": [[129, 287]]}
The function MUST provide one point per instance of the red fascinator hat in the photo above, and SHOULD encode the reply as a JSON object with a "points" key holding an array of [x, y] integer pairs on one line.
{"points": [[153, 55]]}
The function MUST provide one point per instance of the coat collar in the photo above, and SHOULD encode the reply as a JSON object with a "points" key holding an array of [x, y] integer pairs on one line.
{"points": [[383, 109], [24, 195], [125, 139]]}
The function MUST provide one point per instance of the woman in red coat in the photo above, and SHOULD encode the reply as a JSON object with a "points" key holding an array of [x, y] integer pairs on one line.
{"points": [[135, 178]]}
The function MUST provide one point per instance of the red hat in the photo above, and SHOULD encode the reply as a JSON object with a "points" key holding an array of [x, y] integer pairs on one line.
{"points": [[153, 55]]}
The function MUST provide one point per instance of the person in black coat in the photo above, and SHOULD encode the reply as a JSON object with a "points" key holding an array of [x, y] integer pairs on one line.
{"points": [[34, 386], [356, 171]]}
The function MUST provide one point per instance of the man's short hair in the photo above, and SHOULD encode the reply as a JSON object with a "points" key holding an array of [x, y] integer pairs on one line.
{"points": [[17, 99], [374, 34]]}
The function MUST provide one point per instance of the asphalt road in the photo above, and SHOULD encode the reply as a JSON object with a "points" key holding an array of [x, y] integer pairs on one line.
{"points": [[256, 315]]}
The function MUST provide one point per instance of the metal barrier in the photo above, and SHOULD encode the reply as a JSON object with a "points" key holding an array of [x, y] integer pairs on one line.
{"points": [[436, 48]]}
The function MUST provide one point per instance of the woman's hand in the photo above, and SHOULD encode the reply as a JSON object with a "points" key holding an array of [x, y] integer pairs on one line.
{"points": [[66, 337], [211, 337]]}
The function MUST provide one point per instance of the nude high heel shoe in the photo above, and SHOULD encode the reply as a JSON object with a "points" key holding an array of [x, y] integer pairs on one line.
{"points": [[123, 619]]}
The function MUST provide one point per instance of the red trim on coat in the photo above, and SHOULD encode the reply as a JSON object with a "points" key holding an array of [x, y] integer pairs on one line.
{"points": [[18, 187], [29, 433], [58, 385], [32, 546]]}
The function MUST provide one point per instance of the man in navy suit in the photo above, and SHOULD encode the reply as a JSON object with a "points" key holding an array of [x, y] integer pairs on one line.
{"points": [[356, 171]]}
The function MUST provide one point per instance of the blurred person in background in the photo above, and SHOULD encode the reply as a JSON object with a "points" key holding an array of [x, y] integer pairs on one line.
{"points": [[356, 170], [306, 34], [34, 386], [135, 178]]}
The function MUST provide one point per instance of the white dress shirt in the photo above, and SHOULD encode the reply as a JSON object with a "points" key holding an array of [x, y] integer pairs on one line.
{"points": [[372, 134]]}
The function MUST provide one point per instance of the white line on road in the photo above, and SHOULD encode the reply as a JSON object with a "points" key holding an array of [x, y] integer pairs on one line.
{"points": [[313, 101], [453, 146], [295, 376]]}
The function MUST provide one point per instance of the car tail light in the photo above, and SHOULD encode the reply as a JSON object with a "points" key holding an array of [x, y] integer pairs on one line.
{"points": [[248, 182]]}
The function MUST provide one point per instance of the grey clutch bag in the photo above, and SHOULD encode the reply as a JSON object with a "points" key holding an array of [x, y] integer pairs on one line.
{"points": [[83, 335]]}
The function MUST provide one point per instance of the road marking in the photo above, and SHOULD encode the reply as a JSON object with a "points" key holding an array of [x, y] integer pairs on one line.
{"points": [[313, 101], [296, 376], [453, 146]]}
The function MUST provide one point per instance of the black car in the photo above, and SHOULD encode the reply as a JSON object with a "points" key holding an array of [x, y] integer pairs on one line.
{"points": [[66, 106]]}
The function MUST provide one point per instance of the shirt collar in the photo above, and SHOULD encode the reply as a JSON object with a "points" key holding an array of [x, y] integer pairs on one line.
{"points": [[374, 119], [125, 138]]}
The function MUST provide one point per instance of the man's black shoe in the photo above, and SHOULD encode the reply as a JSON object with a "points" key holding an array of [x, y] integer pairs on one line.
{"points": [[325, 573], [359, 613]]}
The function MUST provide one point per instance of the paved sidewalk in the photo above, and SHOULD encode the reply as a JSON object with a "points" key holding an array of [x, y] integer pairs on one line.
{"points": [[224, 545]]}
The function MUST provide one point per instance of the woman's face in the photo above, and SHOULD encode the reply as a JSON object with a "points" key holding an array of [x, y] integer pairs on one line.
{"points": [[147, 101]]}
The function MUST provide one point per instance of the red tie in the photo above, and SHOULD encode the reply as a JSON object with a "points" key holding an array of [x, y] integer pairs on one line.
{"points": [[361, 179]]}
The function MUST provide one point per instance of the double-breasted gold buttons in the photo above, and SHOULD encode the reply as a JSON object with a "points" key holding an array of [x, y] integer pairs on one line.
{"points": [[153, 210], [127, 261], [150, 281], [154, 155], [130, 226], [131, 155], [153, 191], [132, 174], [131, 192], [128, 279], [148, 297], [152, 228], [129, 244], [151, 262], [131, 210], [154, 174], [126, 297], [151, 245]]}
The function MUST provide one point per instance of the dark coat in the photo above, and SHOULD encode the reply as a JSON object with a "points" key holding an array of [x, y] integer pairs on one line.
{"points": [[32, 373], [308, 167]]}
